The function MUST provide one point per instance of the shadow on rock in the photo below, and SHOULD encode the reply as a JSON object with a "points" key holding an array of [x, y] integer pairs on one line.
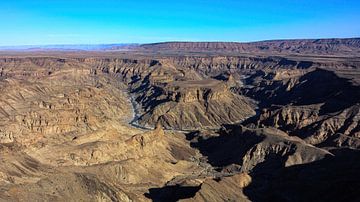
{"points": [[171, 193], [336, 93], [334, 178], [227, 147]]}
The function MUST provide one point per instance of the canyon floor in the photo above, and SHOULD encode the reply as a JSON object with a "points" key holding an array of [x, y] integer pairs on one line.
{"points": [[268, 121]]}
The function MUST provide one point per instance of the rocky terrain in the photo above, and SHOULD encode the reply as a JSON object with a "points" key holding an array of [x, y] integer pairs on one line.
{"points": [[152, 125]]}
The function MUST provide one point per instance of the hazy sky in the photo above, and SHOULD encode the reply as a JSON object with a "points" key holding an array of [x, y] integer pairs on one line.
{"points": [[38, 22]]}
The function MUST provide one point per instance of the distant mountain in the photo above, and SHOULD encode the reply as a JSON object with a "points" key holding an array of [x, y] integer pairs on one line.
{"points": [[349, 46], [338, 47], [78, 47]]}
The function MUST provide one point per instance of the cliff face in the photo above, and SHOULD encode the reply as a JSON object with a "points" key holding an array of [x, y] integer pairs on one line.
{"points": [[327, 116]]}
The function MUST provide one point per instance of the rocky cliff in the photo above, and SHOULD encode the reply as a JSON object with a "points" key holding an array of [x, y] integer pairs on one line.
{"points": [[327, 116]]}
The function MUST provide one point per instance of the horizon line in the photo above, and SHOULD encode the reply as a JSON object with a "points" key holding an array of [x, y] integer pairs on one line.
{"points": [[170, 41]]}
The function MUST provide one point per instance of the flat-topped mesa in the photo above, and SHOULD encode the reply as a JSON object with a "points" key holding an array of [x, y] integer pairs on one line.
{"points": [[160, 80], [304, 46], [197, 91], [160, 77], [199, 94], [188, 105]]}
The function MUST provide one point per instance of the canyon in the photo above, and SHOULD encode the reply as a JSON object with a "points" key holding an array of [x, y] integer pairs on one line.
{"points": [[188, 121]]}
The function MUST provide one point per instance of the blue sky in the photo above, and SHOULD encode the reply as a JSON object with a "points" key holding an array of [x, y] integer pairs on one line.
{"points": [[40, 22]]}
